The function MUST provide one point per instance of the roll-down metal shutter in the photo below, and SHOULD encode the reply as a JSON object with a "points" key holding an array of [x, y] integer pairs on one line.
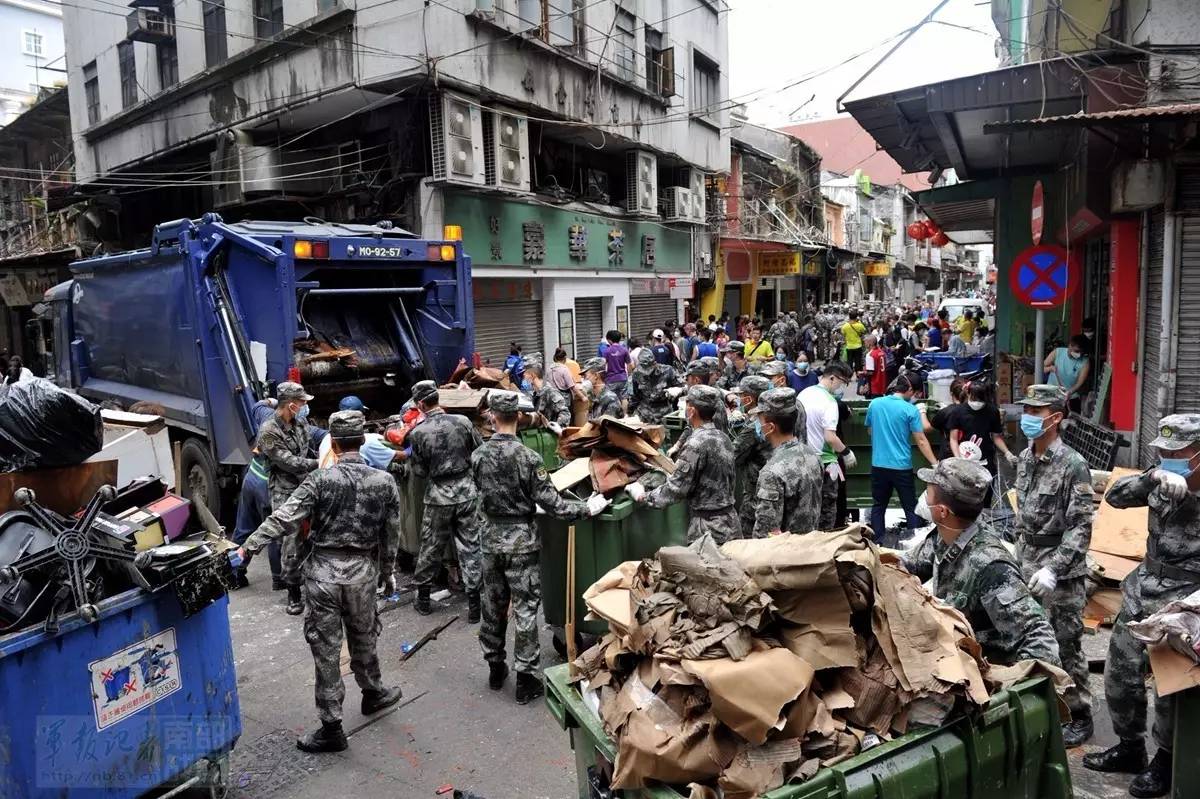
{"points": [[1151, 328], [650, 312], [499, 323], [1187, 358], [589, 326]]}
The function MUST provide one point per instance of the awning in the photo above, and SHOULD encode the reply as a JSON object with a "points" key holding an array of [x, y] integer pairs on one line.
{"points": [[1099, 118], [966, 212]]}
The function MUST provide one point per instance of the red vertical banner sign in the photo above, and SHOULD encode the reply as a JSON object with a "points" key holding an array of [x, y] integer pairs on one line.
{"points": [[1123, 330]]}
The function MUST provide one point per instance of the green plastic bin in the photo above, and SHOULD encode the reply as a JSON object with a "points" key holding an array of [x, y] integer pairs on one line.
{"points": [[544, 443], [1012, 749], [674, 424], [412, 509], [625, 531]]}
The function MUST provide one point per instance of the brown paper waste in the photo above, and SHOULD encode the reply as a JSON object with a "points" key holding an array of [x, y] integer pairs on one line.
{"points": [[618, 451], [753, 664]]}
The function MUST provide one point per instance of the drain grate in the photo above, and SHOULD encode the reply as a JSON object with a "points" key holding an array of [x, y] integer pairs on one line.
{"points": [[268, 764]]}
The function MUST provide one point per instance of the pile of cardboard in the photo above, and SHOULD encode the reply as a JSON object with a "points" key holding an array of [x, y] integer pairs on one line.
{"points": [[749, 665], [1117, 547], [613, 452]]}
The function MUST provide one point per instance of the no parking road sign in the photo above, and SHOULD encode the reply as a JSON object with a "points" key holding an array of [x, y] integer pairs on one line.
{"points": [[1043, 276]]}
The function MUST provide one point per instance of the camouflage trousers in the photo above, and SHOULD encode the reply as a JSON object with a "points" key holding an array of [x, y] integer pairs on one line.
{"points": [[746, 515], [723, 525], [332, 608], [1125, 683], [461, 522], [829, 502], [511, 578], [1064, 610]]}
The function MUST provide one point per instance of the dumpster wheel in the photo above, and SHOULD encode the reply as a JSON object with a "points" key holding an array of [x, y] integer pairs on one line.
{"points": [[218, 777]]}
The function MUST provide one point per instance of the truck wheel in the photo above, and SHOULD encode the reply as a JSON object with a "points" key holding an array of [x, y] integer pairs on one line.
{"points": [[199, 475]]}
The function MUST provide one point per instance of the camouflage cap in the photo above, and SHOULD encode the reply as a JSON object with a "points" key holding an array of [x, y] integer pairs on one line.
{"points": [[963, 480], [594, 365], [347, 424], [697, 368], [291, 392], [425, 391], [1043, 395], [776, 402], [734, 346], [503, 401], [645, 357], [754, 385], [773, 368], [712, 363], [1177, 431], [705, 397], [533, 361]]}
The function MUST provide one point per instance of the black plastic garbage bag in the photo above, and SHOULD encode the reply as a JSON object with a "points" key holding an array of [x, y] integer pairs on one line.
{"points": [[43, 426]]}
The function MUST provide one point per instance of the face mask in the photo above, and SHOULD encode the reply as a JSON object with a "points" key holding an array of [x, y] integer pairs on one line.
{"points": [[802, 367], [839, 392], [1075, 356], [586, 386], [1089, 333], [1032, 426], [302, 414], [758, 431], [742, 403], [923, 510], [975, 405], [1180, 466]]}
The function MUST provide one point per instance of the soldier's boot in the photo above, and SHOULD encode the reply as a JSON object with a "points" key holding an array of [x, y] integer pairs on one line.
{"points": [[295, 603], [1127, 757], [1078, 731], [529, 686], [497, 673], [277, 584], [474, 607], [375, 701], [1155, 780], [421, 603], [330, 738]]}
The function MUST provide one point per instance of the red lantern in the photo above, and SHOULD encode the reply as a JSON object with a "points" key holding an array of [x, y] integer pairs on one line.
{"points": [[916, 231], [940, 240], [931, 228]]}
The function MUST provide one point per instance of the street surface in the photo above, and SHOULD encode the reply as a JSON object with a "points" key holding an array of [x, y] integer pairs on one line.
{"points": [[449, 730]]}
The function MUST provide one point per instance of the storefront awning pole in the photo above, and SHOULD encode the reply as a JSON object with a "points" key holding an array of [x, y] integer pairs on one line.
{"points": [[1039, 347]]}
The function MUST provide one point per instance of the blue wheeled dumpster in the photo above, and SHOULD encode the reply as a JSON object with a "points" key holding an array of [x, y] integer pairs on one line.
{"points": [[140, 699]]}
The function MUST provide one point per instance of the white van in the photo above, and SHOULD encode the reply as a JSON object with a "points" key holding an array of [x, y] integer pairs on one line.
{"points": [[955, 306]]}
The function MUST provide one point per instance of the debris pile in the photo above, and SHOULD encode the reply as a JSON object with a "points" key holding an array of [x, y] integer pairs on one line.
{"points": [[619, 451], [753, 664]]}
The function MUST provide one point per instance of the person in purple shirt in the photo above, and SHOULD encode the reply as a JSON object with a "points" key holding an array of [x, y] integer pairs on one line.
{"points": [[617, 359]]}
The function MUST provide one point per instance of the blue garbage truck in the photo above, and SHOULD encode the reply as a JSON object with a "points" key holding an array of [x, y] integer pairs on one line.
{"points": [[206, 320]]}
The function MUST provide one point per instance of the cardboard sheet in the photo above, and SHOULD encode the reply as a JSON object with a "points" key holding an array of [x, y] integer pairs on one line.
{"points": [[819, 629], [749, 695], [1120, 531], [1115, 567], [1172, 671], [791, 562], [571, 474], [1103, 606]]}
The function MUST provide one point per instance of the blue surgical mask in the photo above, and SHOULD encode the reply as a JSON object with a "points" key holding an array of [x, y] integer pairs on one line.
{"points": [[758, 431], [1180, 466], [302, 414], [1031, 426], [802, 367], [839, 392]]}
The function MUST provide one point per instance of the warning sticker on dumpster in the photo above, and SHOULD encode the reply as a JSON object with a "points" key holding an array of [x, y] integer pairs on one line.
{"points": [[133, 679]]}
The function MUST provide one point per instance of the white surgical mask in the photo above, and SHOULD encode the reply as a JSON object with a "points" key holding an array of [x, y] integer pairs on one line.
{"points": [[975, 405], [586, 386], [923, 510]]}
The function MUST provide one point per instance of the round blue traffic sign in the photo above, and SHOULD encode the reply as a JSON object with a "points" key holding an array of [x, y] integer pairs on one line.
{"points": [[1043, 276]]}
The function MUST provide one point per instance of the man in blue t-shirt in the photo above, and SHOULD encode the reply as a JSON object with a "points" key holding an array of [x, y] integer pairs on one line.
{"points": [[895, 425]]}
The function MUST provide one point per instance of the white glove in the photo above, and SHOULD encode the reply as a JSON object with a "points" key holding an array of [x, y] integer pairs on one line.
{"points": [[1173, 486], [1011, 457], [675, 392], [849, 458], [596, 503], [1043, 582], [636, 491], [555, 428], [834, 471]]}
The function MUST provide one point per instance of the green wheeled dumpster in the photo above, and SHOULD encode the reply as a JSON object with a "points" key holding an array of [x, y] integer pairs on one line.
{"points": [[674, 424], [544, 443], [1010, 749], [624, 531]]}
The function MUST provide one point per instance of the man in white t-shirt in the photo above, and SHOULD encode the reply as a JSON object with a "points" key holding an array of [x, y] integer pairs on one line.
{"points": [[821, 410]]}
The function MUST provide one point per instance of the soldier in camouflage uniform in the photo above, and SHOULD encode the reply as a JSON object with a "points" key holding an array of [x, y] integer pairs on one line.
{"points": [[971, 569], [777, 333], [605, 401], [512, 484], [703, 475], [354, 510], [791, 338], [736, 366], [699, 373], [1170, 571], [652, 381], [441, 452], [776, 372], [750, 450], [1053, 526], [547, 400], [284, 440], [788, 493]]}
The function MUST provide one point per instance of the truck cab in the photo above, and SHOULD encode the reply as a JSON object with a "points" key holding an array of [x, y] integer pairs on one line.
{"points": [[204, 323]]}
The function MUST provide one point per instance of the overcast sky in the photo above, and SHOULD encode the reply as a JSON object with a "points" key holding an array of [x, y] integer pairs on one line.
{"points": [[775, 42]]}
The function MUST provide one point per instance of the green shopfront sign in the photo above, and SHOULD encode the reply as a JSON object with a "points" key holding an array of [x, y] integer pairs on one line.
{"points": [[504, 232]]}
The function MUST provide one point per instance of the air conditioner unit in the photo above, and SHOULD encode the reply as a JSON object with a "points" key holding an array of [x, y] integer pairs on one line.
{"points": [[149, 25], [507, 157], [699, 196], [641, 182], [676, 204], [456, 135], [244, 170]]}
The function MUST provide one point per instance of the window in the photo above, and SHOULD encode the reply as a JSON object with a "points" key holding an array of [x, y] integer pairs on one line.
{"points": [[268, 18], [623, 319], [706, 85], [129, 87], [552, 21], [168, 65], [91, 92], [625, 44], [566, 331], [326, 5], [660, 64], [216, 48], [31, 43]]}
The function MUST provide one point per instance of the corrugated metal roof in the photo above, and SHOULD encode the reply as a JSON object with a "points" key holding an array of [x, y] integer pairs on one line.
{"points": [[1118, 115]]}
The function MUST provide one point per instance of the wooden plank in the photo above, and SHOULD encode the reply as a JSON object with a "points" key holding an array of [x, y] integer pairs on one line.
{"points": [[1120, 531], [64, 490]]}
